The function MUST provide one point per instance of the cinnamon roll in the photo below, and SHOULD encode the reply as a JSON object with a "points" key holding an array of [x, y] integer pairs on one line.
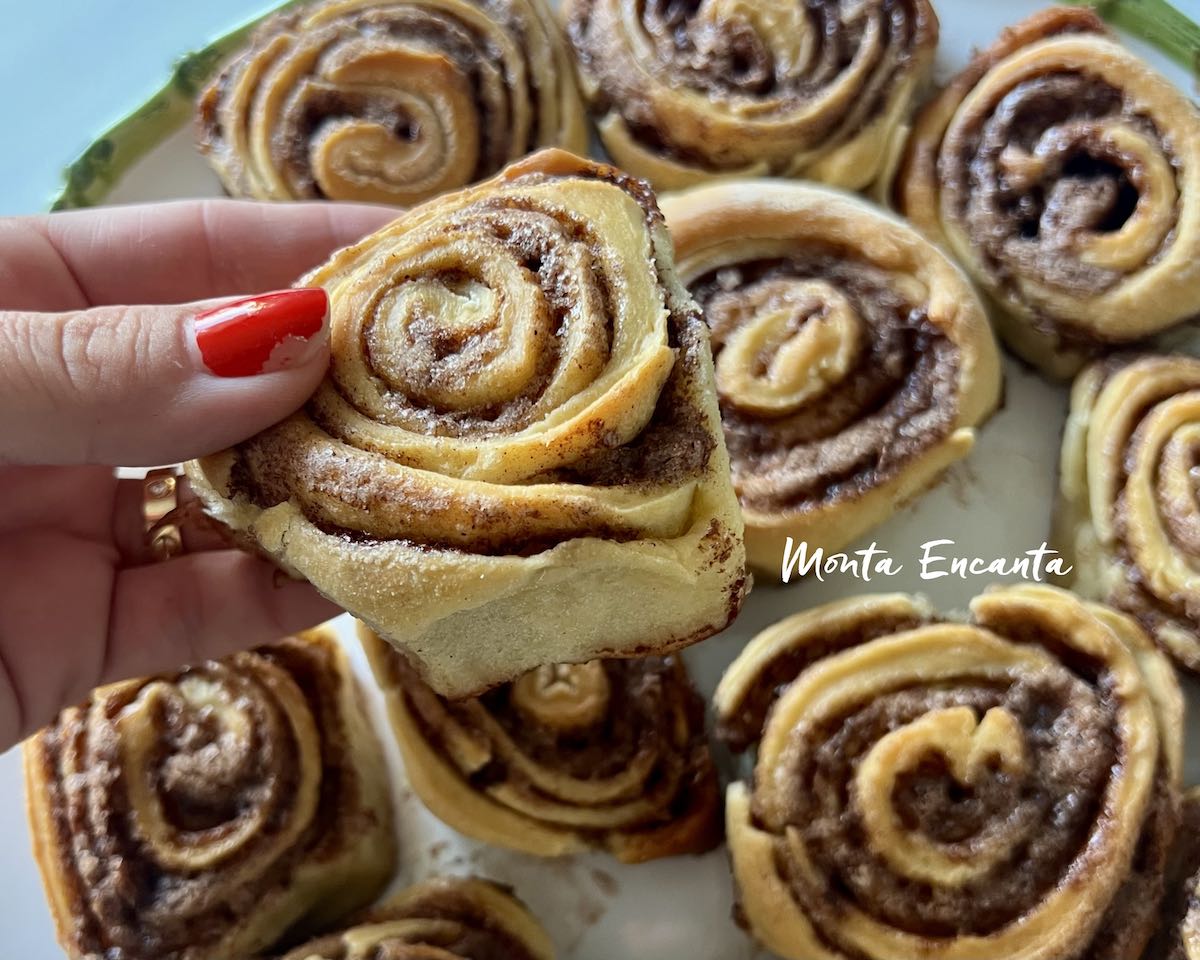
{"points": [[518, 441], [610, 754], [1128, 519], [687, 92], [389, 102], [438, 920], [1179, 936], [1064, 174], [1002, 787], [853, 360], [202, 815]]}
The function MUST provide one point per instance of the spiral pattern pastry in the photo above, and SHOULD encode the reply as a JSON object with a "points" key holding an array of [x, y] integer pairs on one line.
{"points": [[1064, 174], [608, 754], [1178, 937], [1003, 787], [389, 101], [439, 919], [518, 441], [853, 360], [685, 92], [203, 815], [1128, 519]]}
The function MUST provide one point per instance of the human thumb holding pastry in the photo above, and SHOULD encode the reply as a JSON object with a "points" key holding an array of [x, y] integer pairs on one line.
{"points": [[141, 336]]}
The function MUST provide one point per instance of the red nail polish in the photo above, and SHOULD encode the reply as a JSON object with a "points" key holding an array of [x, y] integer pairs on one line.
{"points": [[262, 334]]}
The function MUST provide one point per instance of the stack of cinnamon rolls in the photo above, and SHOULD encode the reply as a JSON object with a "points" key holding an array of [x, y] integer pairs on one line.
{"points": [[564, 418]]}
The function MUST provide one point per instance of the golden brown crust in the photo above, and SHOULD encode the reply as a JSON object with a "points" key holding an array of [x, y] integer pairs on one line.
{"points": [[518, 436], [1064, 175], [1178, 937], [1127, 517], [686, 93], [440, 919], [1003, 787], [389, 103], [609, 754], [202, 815], [853, 360]]}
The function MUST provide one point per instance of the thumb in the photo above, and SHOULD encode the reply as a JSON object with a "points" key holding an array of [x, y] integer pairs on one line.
{"points": [[144, 385]]}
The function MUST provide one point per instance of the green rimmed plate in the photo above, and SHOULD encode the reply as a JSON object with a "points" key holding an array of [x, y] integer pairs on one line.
{"points": [[1155, 24], [995, 505]]}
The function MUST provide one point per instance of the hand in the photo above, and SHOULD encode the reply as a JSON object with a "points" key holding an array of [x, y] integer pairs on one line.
{"points": [[89, 382]]}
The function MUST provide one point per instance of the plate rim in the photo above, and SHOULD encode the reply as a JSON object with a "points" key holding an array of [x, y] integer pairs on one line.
{"points": [[95, 172]]}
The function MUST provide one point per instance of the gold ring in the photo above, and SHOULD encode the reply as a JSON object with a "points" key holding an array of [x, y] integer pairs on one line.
{"points": [[160, 500]]}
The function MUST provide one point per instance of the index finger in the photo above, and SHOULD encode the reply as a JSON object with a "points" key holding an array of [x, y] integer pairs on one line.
{"points": [[171, 252]]}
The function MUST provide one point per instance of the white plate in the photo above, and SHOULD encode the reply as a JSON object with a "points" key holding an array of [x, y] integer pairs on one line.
{"points": [[996, 504]]}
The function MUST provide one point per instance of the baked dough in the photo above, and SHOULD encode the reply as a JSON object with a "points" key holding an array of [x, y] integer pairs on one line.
{"points": [[516, 458], [1127, 515], [608, 754], [204, 814], [1063, 173], [439, 919], [853, 360], [386, 102], [1005, 787], [687, 92]]}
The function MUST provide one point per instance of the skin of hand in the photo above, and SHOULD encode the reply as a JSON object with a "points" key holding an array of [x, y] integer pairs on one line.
{"points": [[119, 346]]}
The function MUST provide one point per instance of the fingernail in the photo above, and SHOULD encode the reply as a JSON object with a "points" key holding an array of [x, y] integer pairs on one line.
{"points": [[263, 334]]}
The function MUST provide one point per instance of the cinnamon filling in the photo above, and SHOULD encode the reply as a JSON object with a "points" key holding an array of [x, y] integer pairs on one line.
{"points": [[1182, 903], [336, 80], [125, 899], [427, 367], [590, 723], [469, 932], [893, 400], [743, 729], [732, 62], [1043, 818], [1040, 171]]}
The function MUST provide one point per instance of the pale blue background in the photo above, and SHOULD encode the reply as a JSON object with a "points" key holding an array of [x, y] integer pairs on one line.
{"points": [[70, 68]]}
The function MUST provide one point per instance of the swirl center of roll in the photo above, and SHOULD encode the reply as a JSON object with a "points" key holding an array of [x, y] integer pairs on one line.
{"points": [[737, 47], [211, 793], [459, 341], [378, 122], [564, 696], [488, 325], [972, 750], [1084, 188], [791, 340], [499, 340], [1066, 185]]}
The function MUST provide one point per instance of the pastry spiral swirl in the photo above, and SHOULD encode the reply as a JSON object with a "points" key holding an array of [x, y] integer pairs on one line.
{"points": [[1178, 937], [1128, 519], [853, 360], [440, 919], [1007, 787], [1064, 175], [687, 92], [610, 754], [201, 816], [518, 437], [389, 101]]}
